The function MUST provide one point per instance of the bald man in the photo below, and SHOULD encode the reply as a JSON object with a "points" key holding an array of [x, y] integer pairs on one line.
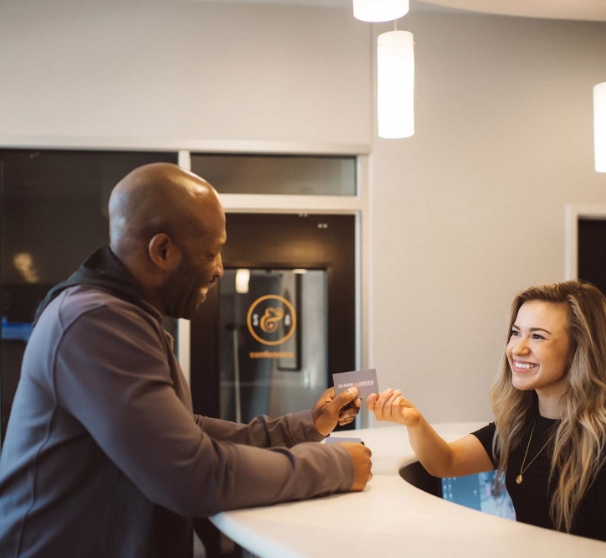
{"points": [[103, 455]]}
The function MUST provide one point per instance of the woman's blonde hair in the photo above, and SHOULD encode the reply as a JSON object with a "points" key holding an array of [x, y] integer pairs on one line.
{"points": [[580, 438]]}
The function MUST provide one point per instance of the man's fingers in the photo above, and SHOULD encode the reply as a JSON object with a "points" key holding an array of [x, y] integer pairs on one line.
{"points": [[327, 396], [349, 394], [369, 453], [360, 456], [343, 399], [348, 414]]}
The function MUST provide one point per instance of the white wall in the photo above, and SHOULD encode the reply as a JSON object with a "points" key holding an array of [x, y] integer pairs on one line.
{"points": [[465, 213], [470, 210], [183, 70]]}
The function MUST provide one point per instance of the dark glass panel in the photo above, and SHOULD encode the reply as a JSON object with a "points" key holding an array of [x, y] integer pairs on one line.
{"points": [[264, 174], [53, 214]]}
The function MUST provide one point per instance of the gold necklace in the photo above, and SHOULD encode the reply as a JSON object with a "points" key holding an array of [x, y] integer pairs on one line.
{"points": [[520, 477]]}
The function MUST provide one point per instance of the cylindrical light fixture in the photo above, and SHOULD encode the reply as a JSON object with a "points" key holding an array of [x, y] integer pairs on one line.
{"points": [[395, 84], [599, 125], [380, 10]]}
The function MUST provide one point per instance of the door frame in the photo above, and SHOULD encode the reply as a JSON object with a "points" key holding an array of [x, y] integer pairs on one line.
{"points": [[358, 205], [573, 214]]}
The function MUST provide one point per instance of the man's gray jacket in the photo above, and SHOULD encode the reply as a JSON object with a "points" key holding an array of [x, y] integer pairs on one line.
{"points": [[104, 457]]}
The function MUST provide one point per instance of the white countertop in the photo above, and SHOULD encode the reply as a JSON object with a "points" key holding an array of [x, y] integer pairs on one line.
{"points": [[393, 518]]}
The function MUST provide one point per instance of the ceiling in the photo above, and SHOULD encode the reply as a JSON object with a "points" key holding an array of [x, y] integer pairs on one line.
{"points": [[586, 10]]}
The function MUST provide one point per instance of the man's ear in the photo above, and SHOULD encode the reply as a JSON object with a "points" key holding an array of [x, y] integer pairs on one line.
{"points": [[163, 252]]}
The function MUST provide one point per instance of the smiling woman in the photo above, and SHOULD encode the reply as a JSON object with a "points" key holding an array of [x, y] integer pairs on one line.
{"points": [[549, 400], [552, 388], [538, 351]]}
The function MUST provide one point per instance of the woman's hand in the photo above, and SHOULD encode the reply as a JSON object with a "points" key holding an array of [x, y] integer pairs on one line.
{"points": [[392, 407], [441, 459]]}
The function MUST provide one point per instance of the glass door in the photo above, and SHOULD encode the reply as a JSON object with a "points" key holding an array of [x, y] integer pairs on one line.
{"points": [[273, 339], [281, 320]]}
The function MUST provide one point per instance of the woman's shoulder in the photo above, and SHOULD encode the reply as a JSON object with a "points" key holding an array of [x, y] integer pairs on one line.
{"points": [[487, 430], [486, 435]]}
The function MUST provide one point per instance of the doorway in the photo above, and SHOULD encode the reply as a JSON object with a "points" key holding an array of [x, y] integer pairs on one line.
{"points": [[585, 248], [592, 252], [282, 318]]}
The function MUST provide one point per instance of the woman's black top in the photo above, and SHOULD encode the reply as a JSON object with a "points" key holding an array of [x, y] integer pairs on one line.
{"points": [[532, 498]]}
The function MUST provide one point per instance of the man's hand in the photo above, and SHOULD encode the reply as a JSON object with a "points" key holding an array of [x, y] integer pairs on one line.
{"points": [[360, 455], [330, 410], [392, 407]]}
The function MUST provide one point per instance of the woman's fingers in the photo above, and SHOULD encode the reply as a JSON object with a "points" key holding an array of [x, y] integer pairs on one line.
{"points": [[391, 409], [387, 405], [380, 403], [370, 402], [383, 406], [396, 408]]}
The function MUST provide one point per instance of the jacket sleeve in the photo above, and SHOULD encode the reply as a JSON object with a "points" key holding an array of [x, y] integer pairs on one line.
{"points": [[111, 373], [262, 431]]}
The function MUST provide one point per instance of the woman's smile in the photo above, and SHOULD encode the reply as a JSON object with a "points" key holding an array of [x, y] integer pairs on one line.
{"points": [[538, 347], [520, 366]]}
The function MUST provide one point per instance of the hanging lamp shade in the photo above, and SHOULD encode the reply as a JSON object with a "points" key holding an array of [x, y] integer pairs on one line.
{"points": [[599, 125], [380, 10], [395, 84]]}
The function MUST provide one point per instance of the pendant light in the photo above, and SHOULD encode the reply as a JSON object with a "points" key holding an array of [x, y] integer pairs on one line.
{"points": [[380, 10], [395, 84], [599, 125]]}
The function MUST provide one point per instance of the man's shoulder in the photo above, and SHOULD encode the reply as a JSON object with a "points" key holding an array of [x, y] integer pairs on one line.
{"points": [[76, 303]]}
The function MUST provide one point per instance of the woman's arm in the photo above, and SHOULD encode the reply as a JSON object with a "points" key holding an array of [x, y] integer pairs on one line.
{"points": [[465, 456]]}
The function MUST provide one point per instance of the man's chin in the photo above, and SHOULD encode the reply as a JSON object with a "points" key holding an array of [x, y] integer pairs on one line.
{"points": [[192, 311], [188, 308], [187, 313], [201, 299]]}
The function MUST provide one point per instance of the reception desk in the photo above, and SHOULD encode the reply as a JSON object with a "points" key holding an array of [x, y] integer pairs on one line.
{"points": [[393, 518]]}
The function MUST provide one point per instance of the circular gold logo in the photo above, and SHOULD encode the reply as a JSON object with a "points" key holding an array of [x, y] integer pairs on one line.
{"points": [[271, 319]]}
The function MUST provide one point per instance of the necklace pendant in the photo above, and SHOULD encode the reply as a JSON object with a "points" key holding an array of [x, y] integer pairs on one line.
{"points": [[519, 479]]}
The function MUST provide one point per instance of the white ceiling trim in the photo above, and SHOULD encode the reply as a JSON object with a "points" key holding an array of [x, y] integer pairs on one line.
{"points": [[585, 10]]}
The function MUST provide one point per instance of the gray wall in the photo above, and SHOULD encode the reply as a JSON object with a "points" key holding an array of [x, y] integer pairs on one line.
{"points": [[183, 70], [470, 210]]}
